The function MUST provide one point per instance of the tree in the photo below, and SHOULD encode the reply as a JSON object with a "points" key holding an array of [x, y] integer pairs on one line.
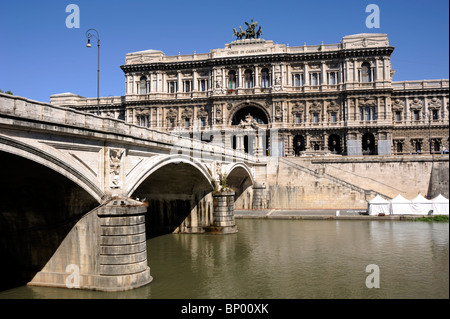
{"points": [[7, 92]]}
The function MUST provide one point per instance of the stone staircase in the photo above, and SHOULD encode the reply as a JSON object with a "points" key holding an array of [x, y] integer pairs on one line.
{"points": [[369, 193]]}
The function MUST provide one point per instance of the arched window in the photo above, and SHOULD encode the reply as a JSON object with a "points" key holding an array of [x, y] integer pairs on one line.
{"points": [[265, 79], [143, 85], [248, 79], [232, 80], [366, 73]]}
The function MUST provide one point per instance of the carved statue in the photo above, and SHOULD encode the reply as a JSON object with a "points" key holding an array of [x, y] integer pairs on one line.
{"points": [[259, 33], [239, 35], [249, 122], [115, 160], [250, 33]]}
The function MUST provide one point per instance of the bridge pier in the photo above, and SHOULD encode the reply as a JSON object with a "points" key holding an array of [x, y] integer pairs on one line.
{"points": [[223, 214], [106, 251]]}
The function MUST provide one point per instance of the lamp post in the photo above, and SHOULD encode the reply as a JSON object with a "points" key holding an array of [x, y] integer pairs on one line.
{"points": [[89, 34]]}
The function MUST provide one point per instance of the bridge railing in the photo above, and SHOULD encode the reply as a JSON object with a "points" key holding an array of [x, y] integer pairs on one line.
{"points": [[23, 109]]}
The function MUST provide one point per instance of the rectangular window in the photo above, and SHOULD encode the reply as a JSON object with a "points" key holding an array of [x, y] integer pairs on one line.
{"points": [[435, 115], [298, 118], [315, 79], [203, 121], [332, 78], [297, 80], [333, 117], [187, 123], [416, 115], [202, 84], [187, 86], [172, 123], [172, 87], [398, 116], [374, 114], [361, 114], [367, 114], [316, 117]]}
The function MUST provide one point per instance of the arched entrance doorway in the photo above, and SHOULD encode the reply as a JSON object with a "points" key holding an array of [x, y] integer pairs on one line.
{"points": [[334, 144], [258, 115], [368, 144], [251, 133], [299, 144]]}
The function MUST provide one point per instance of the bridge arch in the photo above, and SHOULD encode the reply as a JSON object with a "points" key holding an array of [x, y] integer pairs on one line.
{"points": [[148, 167], [239, 178], [178, 192], [39, 207], [64, 166]]}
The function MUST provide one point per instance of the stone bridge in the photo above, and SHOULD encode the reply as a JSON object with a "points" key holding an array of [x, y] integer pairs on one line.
{"points": [[77, 187]]}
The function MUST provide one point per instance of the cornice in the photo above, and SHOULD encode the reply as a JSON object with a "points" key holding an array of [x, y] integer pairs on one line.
{"points": [[266, 58]]}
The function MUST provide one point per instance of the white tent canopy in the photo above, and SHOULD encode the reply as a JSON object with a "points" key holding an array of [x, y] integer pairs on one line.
{"points": [[400, 205], [420, 205], [440, 205], [379, 205]]}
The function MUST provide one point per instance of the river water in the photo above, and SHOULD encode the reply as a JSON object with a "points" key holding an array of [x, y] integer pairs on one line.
{"points": [[291, 259]]}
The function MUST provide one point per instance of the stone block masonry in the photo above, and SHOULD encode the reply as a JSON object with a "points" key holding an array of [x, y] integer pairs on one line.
{"points": [[223, 215], [107, 248]]}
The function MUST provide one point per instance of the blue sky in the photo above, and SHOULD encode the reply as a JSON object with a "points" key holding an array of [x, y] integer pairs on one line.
{"points": [[40, 56]]}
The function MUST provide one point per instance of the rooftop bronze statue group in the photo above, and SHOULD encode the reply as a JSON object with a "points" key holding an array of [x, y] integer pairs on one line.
{"points": [[250, 33]]}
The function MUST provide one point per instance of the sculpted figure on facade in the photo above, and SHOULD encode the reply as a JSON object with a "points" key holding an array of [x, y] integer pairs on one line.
{"points": [[115, 157]]}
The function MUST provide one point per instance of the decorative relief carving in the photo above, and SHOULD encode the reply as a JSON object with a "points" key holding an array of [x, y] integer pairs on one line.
{"points": [[278, 111], [333, 107], [187, 113], [219, 114], [172, 113], [416, 104], [202, 112], [115, 159], [315, 107], [434, 103], [398, 105], [298, 108], [366, 102]]}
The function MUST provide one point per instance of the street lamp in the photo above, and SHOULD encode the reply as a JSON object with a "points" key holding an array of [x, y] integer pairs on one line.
{"points": [[89, 35]]}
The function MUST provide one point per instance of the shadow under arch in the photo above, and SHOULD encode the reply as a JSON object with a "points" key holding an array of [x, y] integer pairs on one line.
{"points": [[258, 112], [239, 178], [63, 166], [179, 195], [38, 208]]}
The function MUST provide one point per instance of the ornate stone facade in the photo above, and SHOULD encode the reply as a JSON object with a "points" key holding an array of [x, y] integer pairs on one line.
{"points": [[320, 99]]}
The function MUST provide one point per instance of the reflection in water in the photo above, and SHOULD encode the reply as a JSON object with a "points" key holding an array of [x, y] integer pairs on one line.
{"points": [[291, 259]]}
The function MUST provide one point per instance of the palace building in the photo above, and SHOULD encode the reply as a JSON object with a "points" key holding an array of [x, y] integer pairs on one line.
{"points": [[264, 98]]}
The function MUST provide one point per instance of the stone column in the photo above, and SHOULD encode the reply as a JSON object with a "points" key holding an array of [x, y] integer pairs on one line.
{"points": [[305, 74], [179, 83], [194, 81], [323, 73], [223, 215], [163, 84], [239, 80], [355, 71]]}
